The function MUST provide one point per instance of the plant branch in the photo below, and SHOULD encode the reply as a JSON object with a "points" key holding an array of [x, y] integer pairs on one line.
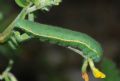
{"points": [[5, 34]]}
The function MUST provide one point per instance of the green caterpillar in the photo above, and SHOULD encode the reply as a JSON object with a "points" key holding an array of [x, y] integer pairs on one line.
{"points": [[75, 41], [64, 37]]}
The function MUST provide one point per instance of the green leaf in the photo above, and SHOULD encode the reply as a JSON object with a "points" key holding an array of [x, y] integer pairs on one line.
{"points": [[22, 3], [111, 71]]}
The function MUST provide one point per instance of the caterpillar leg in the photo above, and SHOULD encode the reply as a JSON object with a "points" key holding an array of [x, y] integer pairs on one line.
{"points": [[17, 38], [13, 43], [21, 37]]}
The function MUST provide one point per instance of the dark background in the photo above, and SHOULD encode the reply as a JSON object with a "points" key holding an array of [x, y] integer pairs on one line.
{"points": [[38, 61]]}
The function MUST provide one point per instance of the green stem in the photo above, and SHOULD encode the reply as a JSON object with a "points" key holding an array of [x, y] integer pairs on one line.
{"points": [[84, 67], [6, 78], [5, 34], [12, 77], [32, 9], [92, 66]]}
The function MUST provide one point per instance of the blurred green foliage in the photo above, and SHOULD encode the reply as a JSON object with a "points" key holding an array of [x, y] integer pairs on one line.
{"points": [[111, 70], [1, 16]]}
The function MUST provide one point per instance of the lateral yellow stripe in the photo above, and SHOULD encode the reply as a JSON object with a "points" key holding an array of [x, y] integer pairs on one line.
{"points": [[76, 41]]}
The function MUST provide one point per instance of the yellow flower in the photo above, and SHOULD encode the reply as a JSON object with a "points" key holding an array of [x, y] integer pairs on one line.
{"points": [[98, 74], [95, 71]]}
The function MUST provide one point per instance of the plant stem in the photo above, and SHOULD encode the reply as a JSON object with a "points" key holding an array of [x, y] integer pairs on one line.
{"points": [[84, 66], [5, 34], [32, 9]]}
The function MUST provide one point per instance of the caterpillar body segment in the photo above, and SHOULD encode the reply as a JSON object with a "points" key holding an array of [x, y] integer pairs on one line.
{"points": [[64, 37]]}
